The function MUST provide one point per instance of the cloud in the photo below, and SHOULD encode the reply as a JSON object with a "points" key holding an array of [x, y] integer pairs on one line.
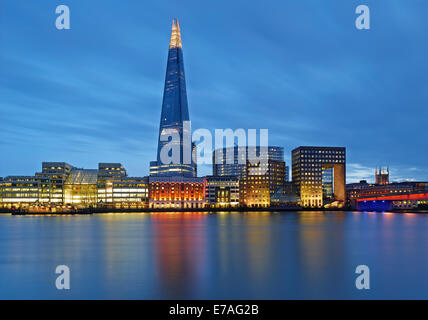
{"points": [[306, 75], [356, 172]]}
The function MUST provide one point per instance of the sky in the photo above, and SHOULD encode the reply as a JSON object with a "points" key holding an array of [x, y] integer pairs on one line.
{"points": [[299, 68]]}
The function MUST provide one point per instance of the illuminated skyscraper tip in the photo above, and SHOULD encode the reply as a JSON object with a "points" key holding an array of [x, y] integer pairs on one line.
{"points": [[175, 41], [178, 35]]}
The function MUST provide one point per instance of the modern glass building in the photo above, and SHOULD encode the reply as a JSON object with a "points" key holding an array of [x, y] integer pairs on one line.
{"points": [[19, 191], [174, 115], [42, 189], [232, 161], [61, 186], [108, 172], [127, 193], [258, 181], [80, 188], [51, 180]]}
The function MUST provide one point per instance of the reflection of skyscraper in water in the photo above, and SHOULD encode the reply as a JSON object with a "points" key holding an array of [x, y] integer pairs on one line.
{"points": [[175, 117], [180, 251]]}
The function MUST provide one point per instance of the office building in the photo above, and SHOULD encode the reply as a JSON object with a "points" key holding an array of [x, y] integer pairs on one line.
{"points": [[174, 115], [127, 193], [222, 191], [319, 174], [19, 191], [232, 161], [51, 181], [108, 172], [80, 188], [60, 185], [176, 192], [254, 188]]}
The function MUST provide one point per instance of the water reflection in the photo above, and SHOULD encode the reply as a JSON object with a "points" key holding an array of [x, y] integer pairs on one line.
{"points": [[245, 251], [260, 255], [179, 249]]}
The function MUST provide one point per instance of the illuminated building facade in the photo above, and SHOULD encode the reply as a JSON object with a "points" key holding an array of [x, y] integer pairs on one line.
{"points": [[62, 185], [319, 174], [174, 113], [254, 189], [276, 174], [287, 195], [19, 191], [377, 197], [176, 192], [80, 188], [174, 169], [111, 172], [262, 183], [257, 180], [42, 189], [364, 189], [127, 193], [222, 191], [235, 164], [382, 176], [51, 181]]}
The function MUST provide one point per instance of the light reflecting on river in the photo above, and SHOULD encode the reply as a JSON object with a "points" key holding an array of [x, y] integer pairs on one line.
{"points": [[254, 255]]}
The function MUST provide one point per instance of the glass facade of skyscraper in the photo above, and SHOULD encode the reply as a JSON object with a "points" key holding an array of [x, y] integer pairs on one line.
{"points": [[174, 113]]}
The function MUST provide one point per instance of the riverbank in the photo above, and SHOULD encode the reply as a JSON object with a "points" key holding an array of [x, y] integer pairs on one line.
{"points": [[197, 210]]}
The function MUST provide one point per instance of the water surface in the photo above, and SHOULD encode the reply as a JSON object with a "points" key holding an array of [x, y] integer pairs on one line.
{"points": [[254, 255]]}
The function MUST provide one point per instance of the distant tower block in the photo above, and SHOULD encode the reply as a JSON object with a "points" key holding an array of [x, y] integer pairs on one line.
{"points": [[382, 176]]}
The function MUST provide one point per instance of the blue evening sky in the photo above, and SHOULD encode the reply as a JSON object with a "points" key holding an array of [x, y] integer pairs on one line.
{"points": [[299, 68]]}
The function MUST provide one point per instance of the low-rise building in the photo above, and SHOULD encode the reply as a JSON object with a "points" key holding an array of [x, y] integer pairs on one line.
{"points": [[222, 191], [80, 188], [176, 192], [19, 191], [127, 193], [364, 189], [108, 172]]}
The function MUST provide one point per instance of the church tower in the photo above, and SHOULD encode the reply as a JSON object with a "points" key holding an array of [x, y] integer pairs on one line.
{"points": [[382, 176]]}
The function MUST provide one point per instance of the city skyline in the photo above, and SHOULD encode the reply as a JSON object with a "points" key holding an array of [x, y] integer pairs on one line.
{"points": [[111, 113]]}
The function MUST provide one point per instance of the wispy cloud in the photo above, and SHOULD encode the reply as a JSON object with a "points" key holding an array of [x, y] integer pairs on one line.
{"points": [[94, 92]]}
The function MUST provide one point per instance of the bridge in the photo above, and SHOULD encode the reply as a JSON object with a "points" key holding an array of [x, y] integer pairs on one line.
{"points": [[385, 202]]}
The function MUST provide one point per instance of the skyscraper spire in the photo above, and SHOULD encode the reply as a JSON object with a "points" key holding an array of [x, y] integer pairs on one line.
{"points": [[178, 35], [175, 41], [174, 115]]}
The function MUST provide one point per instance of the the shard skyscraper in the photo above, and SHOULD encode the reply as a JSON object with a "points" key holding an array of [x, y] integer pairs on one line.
{"points": [[174, 154]]}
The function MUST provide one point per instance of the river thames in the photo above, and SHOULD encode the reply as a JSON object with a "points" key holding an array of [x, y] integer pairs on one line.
{"points": [[254, 255]]}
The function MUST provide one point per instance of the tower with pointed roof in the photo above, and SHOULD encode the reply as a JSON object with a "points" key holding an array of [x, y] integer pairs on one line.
{"points": [[174, 115], [382, 176]]}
